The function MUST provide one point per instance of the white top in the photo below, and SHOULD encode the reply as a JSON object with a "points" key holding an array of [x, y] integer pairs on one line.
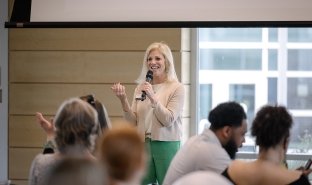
{"points": [[202, 152], [202, 178]]}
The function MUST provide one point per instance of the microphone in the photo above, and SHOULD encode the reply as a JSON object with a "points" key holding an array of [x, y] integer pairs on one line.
{"points": [[148, 78]]}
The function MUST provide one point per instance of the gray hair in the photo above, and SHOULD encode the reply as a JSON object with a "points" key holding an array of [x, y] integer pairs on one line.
{"points": [[76, 125]]}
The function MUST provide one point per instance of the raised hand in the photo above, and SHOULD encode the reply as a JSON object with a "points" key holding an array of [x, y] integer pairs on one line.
{"points": [[46, 125], [119, 90]]}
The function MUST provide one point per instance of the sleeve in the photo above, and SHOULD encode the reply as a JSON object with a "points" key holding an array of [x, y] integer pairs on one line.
{"points": [[213, 158], [33, 172], [167, 114], [131, 115]]}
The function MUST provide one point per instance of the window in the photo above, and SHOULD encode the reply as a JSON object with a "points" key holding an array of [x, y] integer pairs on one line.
{"points": [[258, 66]]}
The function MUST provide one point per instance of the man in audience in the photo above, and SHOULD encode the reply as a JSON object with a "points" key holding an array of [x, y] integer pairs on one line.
{"points": [[215, 147]]}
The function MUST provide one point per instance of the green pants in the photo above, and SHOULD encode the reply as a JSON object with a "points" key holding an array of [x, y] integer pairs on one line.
{"points": [[160, 155]]}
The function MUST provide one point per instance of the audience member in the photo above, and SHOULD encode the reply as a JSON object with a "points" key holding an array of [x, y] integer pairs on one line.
{"points": [[271, 128], [77, 127], [203, 178], [215, 147], [76, 171], [123, 155], [49, 128]]}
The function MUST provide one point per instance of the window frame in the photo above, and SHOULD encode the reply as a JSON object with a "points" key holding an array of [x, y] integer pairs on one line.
{"points": [[281, 73]]}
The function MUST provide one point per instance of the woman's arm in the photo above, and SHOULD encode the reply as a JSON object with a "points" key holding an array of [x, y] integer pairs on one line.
{"points": [[167, 114]]}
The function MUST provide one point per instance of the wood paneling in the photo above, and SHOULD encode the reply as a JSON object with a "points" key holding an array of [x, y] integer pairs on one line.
{"points": [[20, 160], [131, 39], [20, 182], [25, 132], [26, 99], [78, 67]]}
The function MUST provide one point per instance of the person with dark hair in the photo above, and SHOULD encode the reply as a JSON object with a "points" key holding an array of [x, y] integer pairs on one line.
{"points": [[123, 155], [101, 110], [49, 128], [215, 147], [76, 130], [271, 129]]}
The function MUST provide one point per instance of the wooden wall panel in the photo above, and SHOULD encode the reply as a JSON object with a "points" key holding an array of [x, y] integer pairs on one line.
{"points": [[25, 132], [26, 99], [20, 182], [78, 67], [20, 160], [131, 39]]}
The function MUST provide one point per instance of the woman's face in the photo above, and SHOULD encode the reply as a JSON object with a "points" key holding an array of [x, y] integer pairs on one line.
{"points": [[156, 63]]}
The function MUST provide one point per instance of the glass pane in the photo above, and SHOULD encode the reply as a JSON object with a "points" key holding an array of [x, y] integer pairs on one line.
{"points": [[205, 105], [245, 94], [299, 93], [300, 60], [205, 96], [301, 137], [273, 35], [272, 91], [230, 59], [299, 34], [230, 34], [272, 59], [294, 164]]}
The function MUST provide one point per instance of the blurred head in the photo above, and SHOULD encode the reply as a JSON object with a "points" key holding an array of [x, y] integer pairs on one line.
{"points": [[76, 171], [228, 121], [165, 51], [271, 126], [76, 125], [99, 107], [123, 154]]}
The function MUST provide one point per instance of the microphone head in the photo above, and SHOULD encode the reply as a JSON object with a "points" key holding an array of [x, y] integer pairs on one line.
{"points": [[149, 75]]}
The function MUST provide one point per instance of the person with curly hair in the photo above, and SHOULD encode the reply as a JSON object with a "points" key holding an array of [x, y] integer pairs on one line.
{"points": [[271, 129]]}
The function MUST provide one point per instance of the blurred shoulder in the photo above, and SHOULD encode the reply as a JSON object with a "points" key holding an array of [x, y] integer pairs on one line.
{"points": [[201, 178]]}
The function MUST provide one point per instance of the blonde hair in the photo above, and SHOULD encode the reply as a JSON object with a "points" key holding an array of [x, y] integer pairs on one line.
{"points": [[164, 49]]}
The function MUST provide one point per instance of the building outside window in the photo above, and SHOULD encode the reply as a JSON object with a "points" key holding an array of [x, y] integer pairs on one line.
{"points": [[258, 66]]}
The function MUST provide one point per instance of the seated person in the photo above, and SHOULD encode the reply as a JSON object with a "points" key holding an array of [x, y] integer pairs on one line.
{"points": [[48, 126], [123, 155], [215, 147], [271, 127], [77, 128], [202, 178], [76, 171]]}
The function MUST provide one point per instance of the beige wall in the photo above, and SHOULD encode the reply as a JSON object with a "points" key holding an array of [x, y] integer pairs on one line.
{"points": [[47, 66]]}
